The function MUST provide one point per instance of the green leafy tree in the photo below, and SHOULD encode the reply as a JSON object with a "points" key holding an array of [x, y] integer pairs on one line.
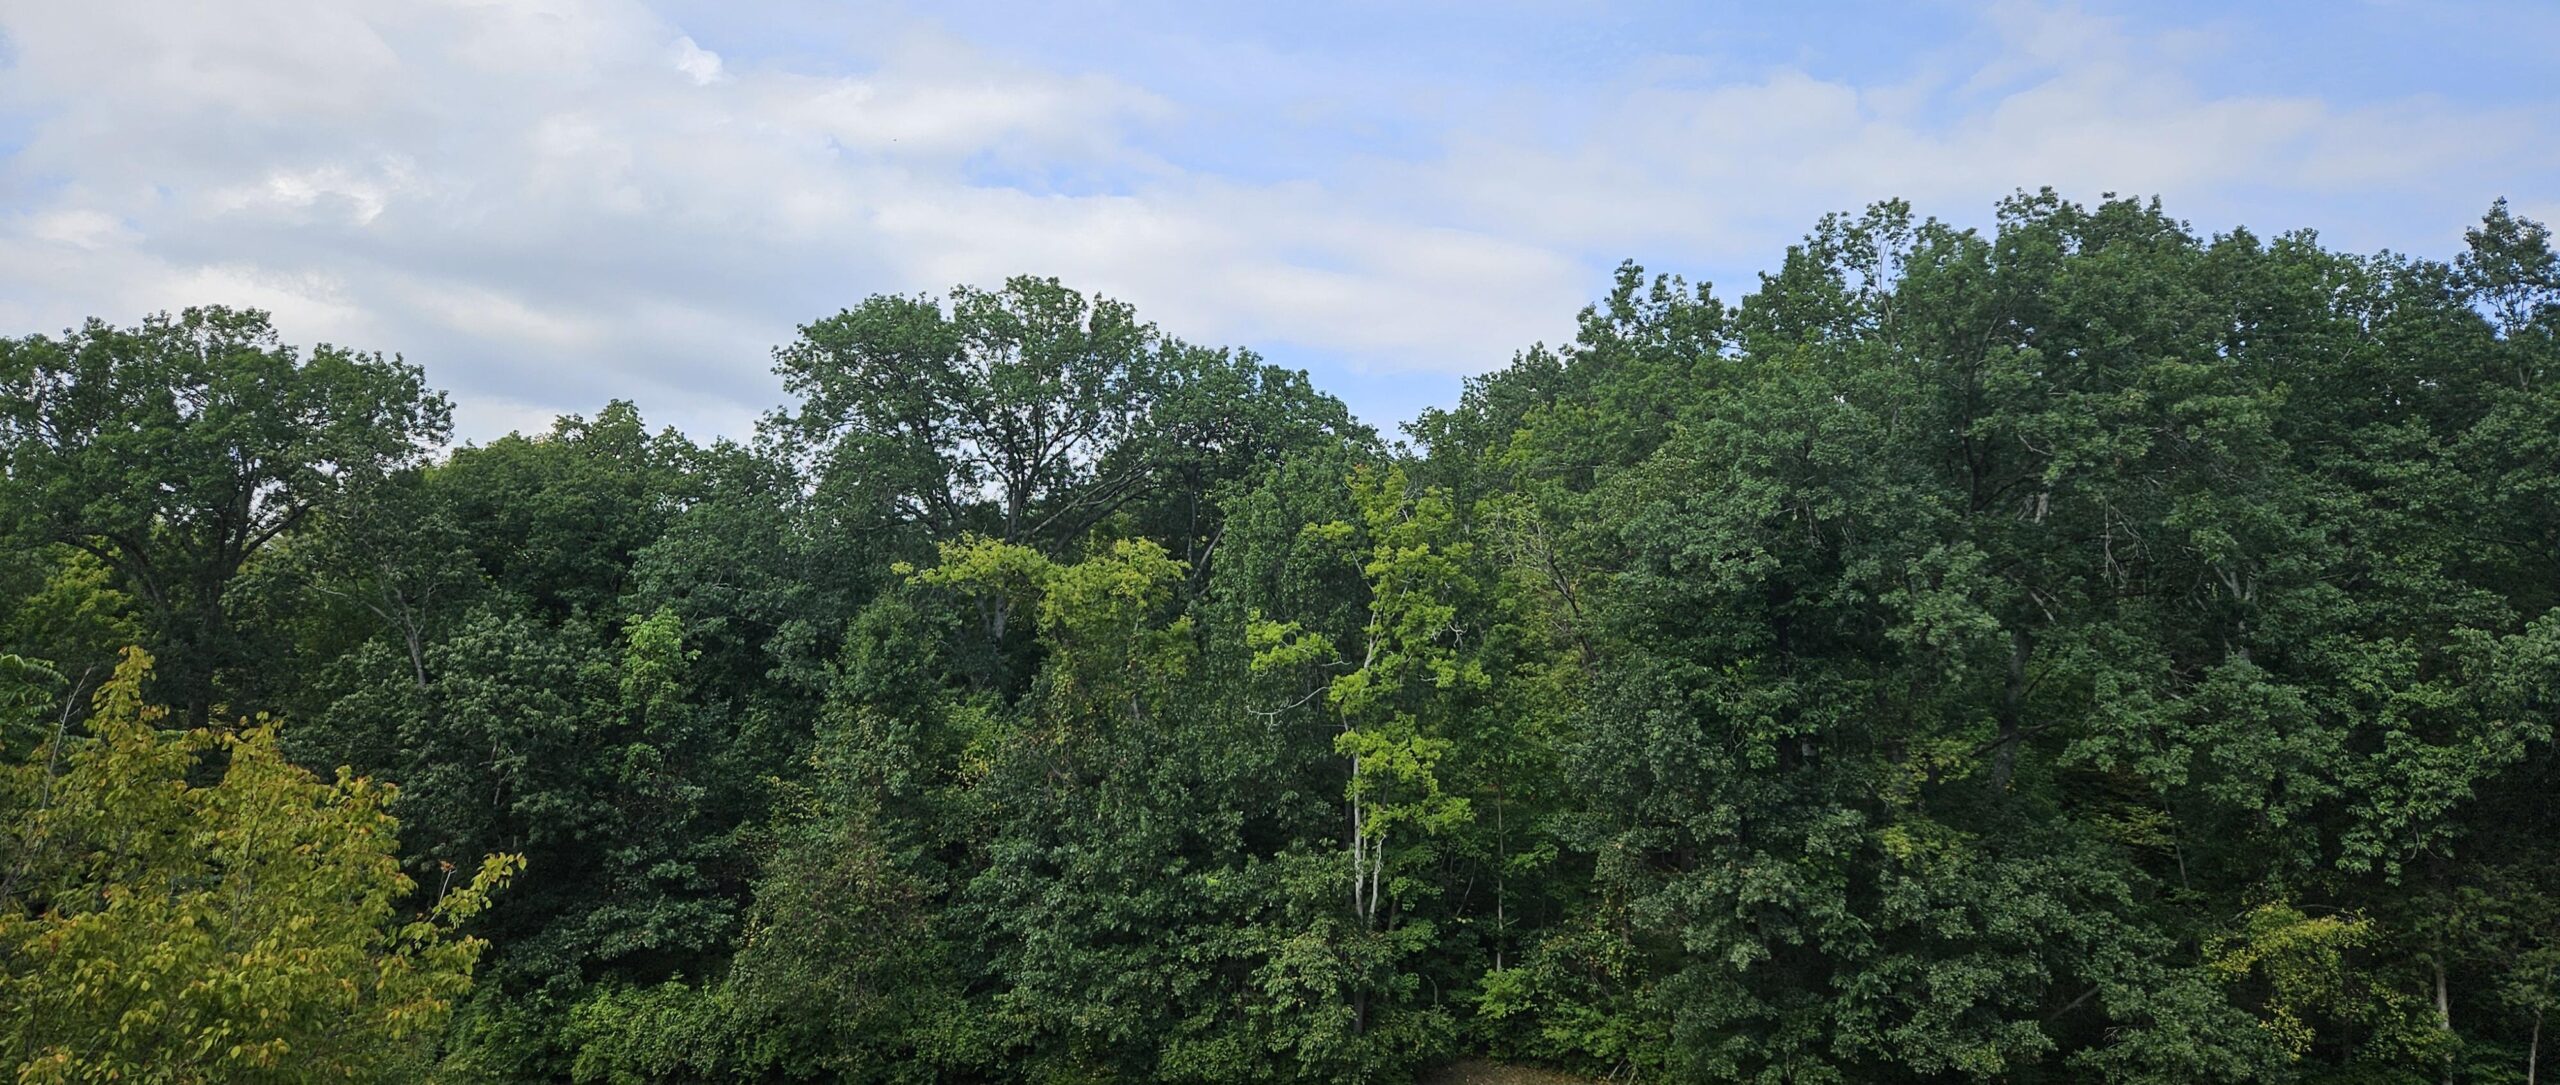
{"points": [[993, 415], [69, 613], [558, 519], [250, 928], [176, 451], [2077, 649]]}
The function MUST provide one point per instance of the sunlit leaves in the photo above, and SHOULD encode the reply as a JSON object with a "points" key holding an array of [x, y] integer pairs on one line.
{"points": [[154, 927]]}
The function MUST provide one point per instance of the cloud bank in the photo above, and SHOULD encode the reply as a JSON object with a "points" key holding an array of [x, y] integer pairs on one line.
{"points": [[555, 202]]}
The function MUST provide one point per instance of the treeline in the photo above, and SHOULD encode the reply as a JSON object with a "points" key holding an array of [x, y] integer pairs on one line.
{"points": [[2076, 651]]}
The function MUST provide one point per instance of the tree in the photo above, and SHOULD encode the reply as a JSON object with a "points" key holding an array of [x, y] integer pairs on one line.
{"points": [[397, 552], [250, 928], [993, 416], [177, 450], [2510, 271], [557, 519], [1414, 665], [69, 613], [580, 749], [2077, 650], [1220, 422]]}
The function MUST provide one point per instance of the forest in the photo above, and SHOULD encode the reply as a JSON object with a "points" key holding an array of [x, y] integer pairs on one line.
{"points": [[2078, 648]]}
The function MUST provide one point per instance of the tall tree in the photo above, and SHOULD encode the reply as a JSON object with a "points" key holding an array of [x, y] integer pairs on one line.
{"points": [[177, 450], [992, 415]]}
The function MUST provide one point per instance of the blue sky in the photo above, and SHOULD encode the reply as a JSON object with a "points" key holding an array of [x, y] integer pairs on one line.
{"points": [[551, 203]]}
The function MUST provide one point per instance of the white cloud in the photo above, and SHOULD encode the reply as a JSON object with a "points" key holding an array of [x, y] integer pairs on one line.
{"points": [[2059, 98], [553, 202], [84, 230], [518, 195], [697, 63]]}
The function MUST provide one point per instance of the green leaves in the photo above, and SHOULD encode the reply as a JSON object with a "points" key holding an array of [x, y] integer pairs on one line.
{"points": [[158, 928], [176, 451], [993, 416], [2077, 650], [2026, 544]]}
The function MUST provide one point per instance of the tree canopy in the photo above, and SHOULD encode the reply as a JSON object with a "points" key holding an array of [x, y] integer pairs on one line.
{"points": [[2076, 649]]}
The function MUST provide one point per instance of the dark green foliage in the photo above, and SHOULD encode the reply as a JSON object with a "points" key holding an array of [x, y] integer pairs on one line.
{"points": [[2075, 651], [176, 451]]}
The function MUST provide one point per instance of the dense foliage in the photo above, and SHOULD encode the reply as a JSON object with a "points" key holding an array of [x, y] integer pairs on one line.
{"points": [[244, 929], [2074, 651]]}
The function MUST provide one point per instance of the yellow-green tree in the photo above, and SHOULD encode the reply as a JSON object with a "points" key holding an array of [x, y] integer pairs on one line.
{"points": [[1411, 667], [191, 907]]}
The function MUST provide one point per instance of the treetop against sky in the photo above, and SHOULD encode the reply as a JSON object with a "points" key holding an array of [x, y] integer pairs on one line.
{"points": [[551, 204]]}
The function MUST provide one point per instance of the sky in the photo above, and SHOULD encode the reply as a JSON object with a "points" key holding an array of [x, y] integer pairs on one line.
{"points": [[549, 204]]}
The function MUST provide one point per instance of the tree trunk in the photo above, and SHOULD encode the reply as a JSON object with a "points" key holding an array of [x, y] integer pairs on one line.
{"points": [[2533, 1050], [1361, 902], [2444, 1014], [1359, 850], [1501, 881], [417, 653]]}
